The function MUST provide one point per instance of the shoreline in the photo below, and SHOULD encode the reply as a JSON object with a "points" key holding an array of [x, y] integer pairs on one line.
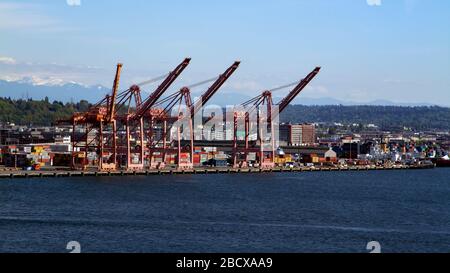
{"points": [[198, 171]]}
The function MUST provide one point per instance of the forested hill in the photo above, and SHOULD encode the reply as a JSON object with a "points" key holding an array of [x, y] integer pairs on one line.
{"points": [[29, 112], [419, 118]]}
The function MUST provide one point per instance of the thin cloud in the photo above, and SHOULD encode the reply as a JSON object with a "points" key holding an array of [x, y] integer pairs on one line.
{"points": [[27, 16], [374, 2], [73, 3]]}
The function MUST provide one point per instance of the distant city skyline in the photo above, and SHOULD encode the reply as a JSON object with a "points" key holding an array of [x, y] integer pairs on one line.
{"points": [[370, 50]]}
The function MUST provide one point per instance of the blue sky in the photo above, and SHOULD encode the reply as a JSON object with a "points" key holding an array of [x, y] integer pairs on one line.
{"points": [[397, 50]]}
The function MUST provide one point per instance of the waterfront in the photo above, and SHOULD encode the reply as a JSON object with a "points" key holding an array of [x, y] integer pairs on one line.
{"points": [[406, 211], [11, 173]]}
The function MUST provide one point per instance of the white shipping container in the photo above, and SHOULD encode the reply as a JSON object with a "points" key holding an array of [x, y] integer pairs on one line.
{"points": [[251, 157], [210, 149], [220, 156]]}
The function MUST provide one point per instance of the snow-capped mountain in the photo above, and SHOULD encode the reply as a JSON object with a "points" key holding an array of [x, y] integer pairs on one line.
{"points": [[38, 88], [53, 88], [36, 81]]}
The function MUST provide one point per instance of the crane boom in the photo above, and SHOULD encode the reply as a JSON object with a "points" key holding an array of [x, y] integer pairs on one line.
{"points": [[154, 97], [299, 88], [112, 103], [214, 88]]}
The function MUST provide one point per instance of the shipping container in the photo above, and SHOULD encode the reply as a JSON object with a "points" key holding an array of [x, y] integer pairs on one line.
{"points": [[203, 157], [158, 159], [221, 163], [210, 149], [220, 156], [196, 159], [251, 157], [61, 148]]}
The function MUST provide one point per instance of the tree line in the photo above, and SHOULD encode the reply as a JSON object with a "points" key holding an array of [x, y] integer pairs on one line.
{"points": [[44, 113], [37, 113], [385, 117]]}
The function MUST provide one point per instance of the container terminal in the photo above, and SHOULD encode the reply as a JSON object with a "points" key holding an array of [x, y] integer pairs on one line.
{"points": [[127, 134]]}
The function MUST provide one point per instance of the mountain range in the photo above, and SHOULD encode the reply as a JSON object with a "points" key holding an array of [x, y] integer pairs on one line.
{"points": [[31, 88], [37, 89]]}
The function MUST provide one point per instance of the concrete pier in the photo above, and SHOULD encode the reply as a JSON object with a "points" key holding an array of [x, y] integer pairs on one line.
{"points": [[8, 174]]}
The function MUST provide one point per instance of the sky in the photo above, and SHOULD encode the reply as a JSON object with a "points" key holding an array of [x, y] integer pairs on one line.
{"points": [[396, 50]]}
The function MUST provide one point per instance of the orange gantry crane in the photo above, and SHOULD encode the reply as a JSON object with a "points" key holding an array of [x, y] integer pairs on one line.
{"points": [[134, 122], [264, 123], [89, 149], [179, 109], [103, 124]]}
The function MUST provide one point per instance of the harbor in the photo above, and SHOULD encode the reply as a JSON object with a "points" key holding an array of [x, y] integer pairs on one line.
{"points": [[224, 136], [127, 134]]}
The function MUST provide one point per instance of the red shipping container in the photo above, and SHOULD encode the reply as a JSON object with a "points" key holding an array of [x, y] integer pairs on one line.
{"points": [[196, 159], [184, 155]]}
